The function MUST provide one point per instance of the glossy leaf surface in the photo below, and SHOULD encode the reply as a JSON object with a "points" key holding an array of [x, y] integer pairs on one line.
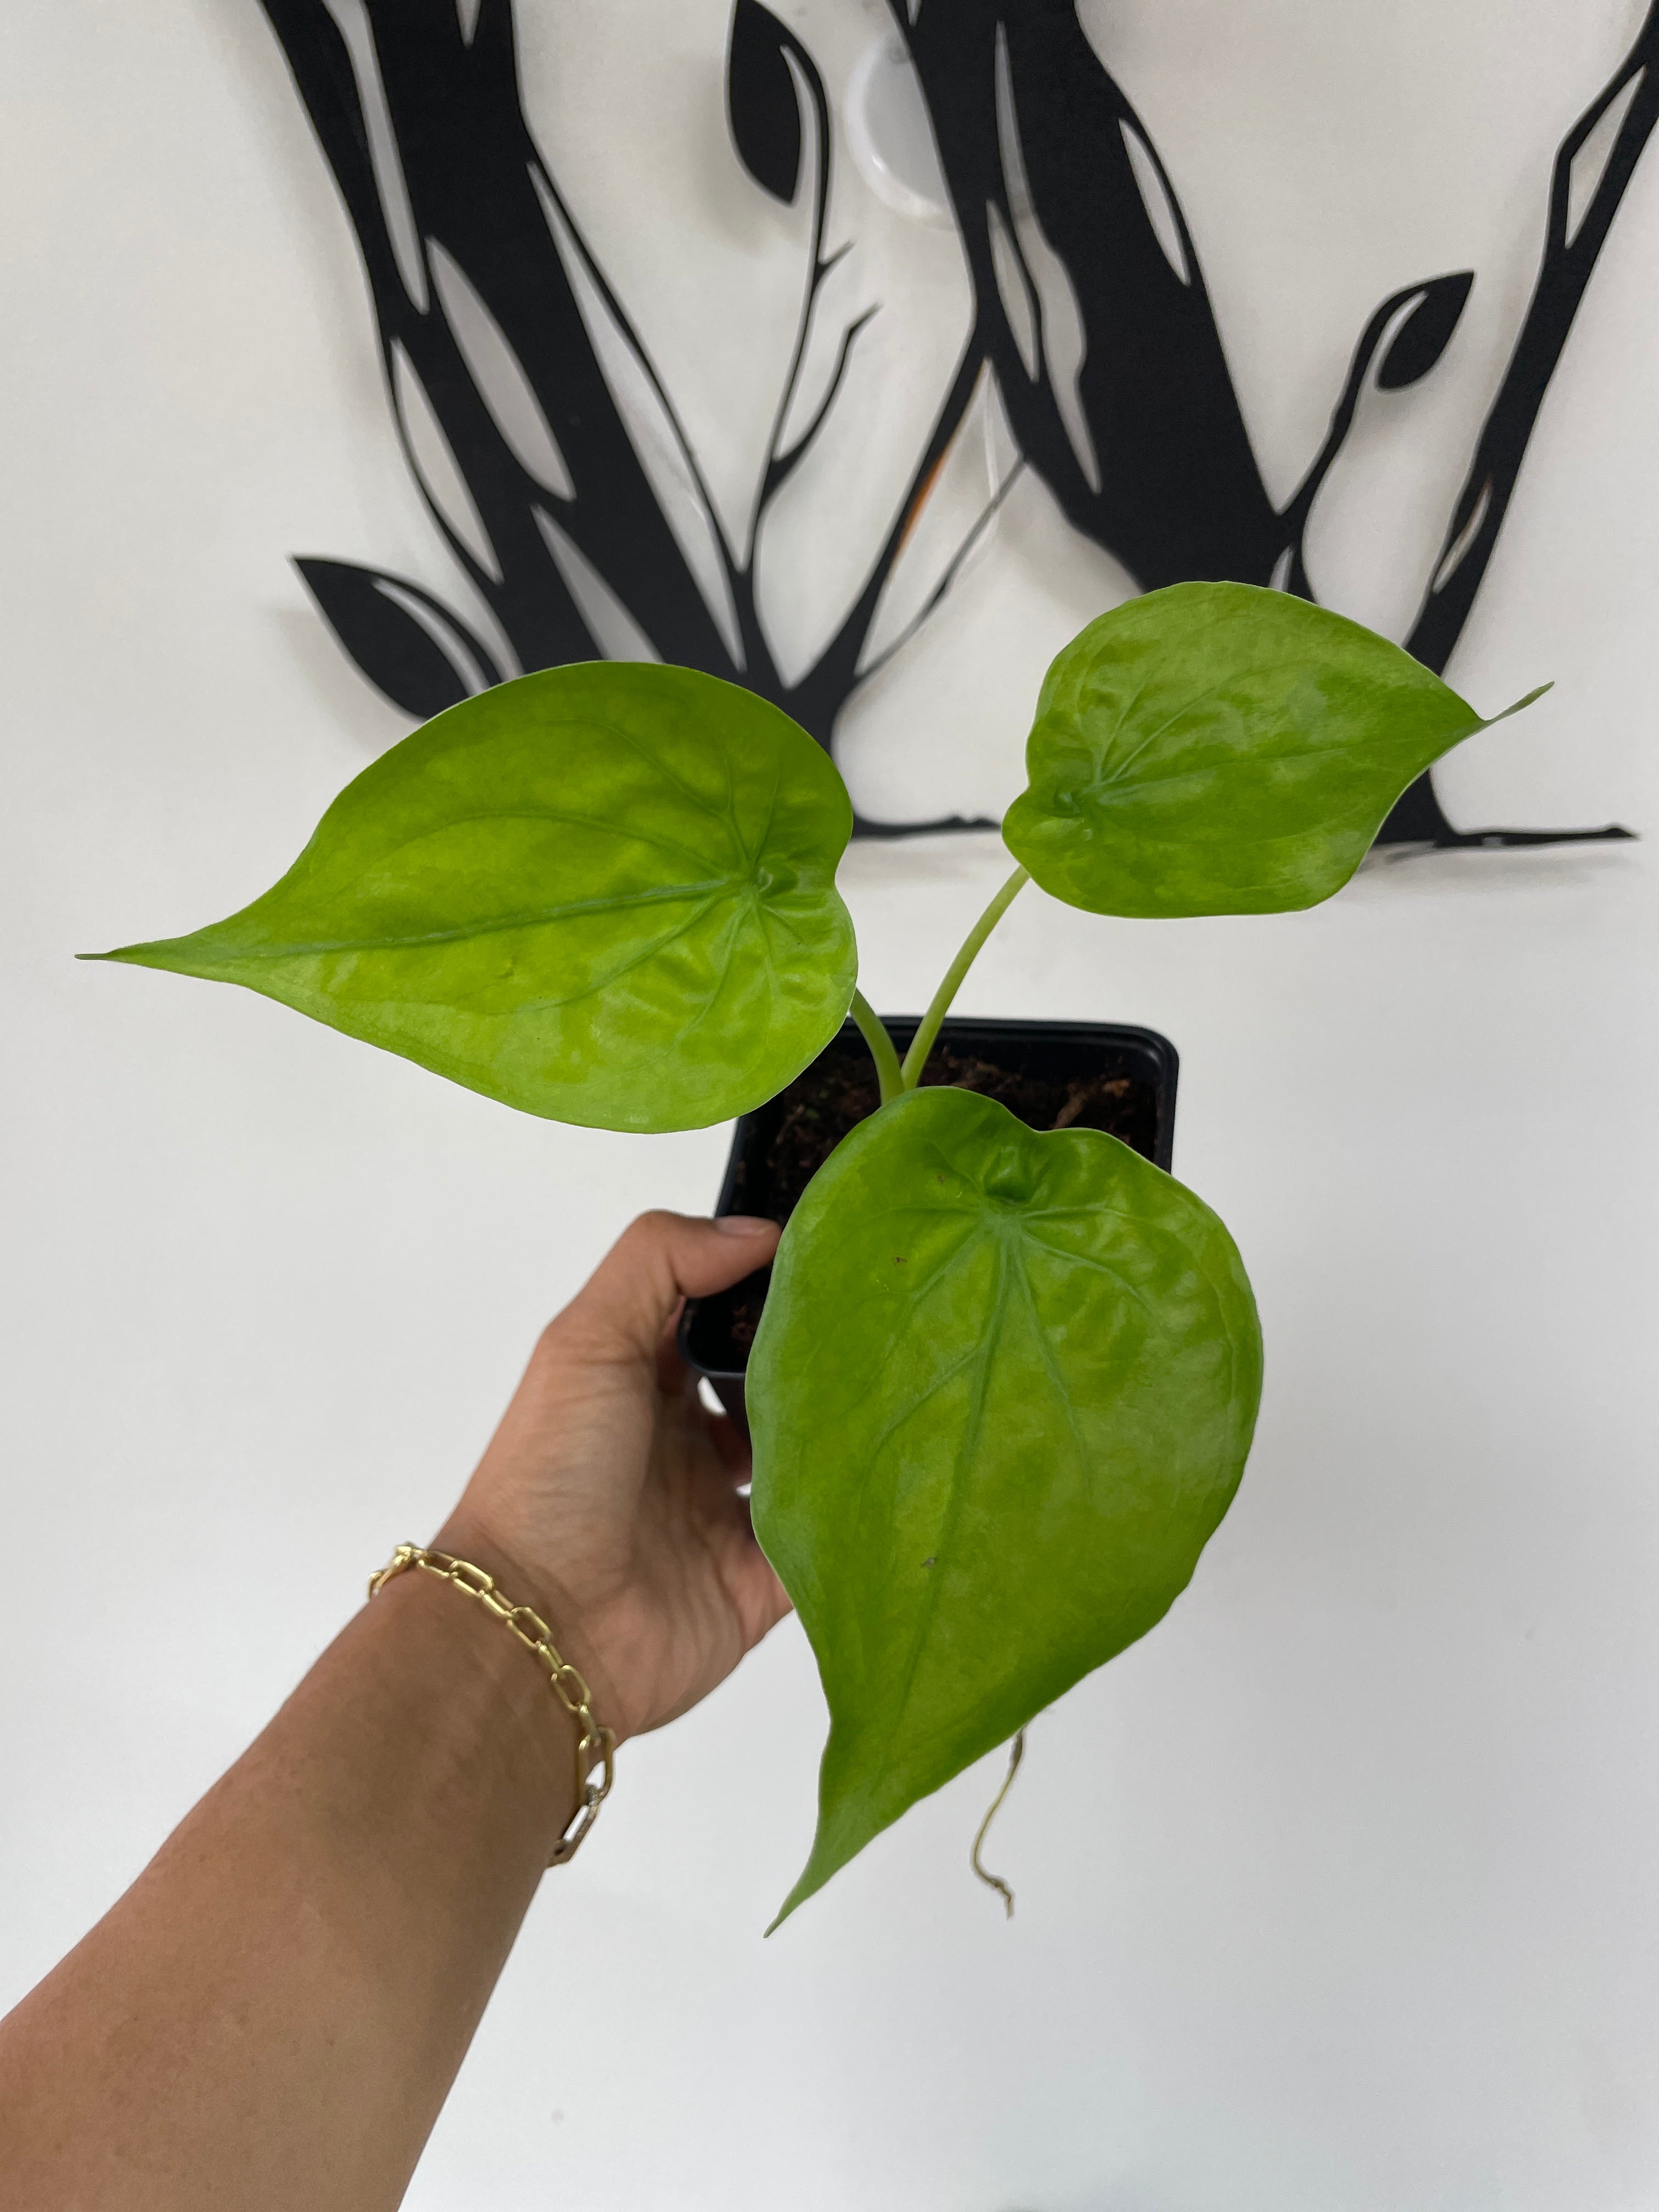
{"points": [[604, 893], [1219, 749], [1001, 1394]]}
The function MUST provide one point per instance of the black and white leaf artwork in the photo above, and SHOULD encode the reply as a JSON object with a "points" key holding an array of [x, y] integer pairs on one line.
{"points": [[409, 646], [1426, 332], [559, 472], [762, 101]]}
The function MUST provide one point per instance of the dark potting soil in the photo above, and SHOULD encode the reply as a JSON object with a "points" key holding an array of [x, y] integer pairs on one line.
{"points": [[832, 1097]]}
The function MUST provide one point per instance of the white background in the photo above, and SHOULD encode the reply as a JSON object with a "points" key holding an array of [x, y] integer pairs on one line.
{"points": [[1338, 1892]]}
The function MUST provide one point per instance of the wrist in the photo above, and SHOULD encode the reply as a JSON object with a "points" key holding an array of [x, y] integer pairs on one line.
{"points": [[481, 1691], [470, 1535]]}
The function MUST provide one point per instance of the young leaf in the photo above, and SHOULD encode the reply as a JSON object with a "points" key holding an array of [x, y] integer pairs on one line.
{"points": [[1001, 1394], [603, 893], [1219, 749]]}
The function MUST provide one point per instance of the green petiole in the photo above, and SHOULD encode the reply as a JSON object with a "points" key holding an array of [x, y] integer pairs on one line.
{"points": [[916, 1059], [873, 1030]]}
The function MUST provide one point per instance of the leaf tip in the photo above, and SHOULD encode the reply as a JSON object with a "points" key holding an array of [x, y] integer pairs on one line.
{"points": [[1521, 705], [165, 953], [796, 1897]]}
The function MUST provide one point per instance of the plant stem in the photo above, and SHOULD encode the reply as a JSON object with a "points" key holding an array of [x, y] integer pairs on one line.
{"points": [[873, 1030], [916, 1059]]}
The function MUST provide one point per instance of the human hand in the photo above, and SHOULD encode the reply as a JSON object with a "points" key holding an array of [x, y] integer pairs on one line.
{"points": [[607, 1498]]}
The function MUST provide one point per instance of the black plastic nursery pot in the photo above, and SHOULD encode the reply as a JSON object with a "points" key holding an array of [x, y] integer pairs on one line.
{"points": [[1054, 1075]]}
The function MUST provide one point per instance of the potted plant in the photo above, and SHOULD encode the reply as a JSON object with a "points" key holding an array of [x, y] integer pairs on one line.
{"points": [[1004, 1381], [1054, 1075]]}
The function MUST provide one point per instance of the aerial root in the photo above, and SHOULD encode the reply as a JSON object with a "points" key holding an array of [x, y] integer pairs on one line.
{"points": [[1016, 1752]]}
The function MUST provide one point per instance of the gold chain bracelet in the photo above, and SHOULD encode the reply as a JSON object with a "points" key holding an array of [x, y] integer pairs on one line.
{"points": [[594, 1745]]}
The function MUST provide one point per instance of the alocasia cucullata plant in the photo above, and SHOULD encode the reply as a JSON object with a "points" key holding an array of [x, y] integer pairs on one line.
{"points": [[606, 894]]}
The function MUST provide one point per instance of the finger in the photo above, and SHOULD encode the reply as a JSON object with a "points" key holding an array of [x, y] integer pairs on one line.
{"points": [[761, 1598], [674, 1379], [736, 1455], [632, 1295]]}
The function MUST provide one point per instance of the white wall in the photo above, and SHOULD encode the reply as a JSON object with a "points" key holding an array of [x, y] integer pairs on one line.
{"points": [[1338, 1892]]}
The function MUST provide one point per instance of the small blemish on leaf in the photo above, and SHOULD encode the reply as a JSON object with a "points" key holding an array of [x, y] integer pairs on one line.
{"points": [[930, 1562], [899, 1260]]}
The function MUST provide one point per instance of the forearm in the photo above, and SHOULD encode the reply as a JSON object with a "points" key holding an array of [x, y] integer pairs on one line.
{"points": [[273, 2014]]}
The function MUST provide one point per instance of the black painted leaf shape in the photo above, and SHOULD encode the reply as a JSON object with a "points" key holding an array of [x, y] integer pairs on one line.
{"points": [[761, 102], [407, 644], [1427, 332]]}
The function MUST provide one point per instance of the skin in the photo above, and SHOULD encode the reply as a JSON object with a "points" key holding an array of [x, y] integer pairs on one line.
{"points": [[274, 2013]]}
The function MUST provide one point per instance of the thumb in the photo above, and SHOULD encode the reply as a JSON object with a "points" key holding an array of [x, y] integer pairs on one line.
{"points": [[632, 1295]]}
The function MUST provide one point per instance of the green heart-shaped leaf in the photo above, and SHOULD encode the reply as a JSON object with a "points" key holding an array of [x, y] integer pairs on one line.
{"points": [[1219, 749], [604, 894], [1001, 1394]]}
